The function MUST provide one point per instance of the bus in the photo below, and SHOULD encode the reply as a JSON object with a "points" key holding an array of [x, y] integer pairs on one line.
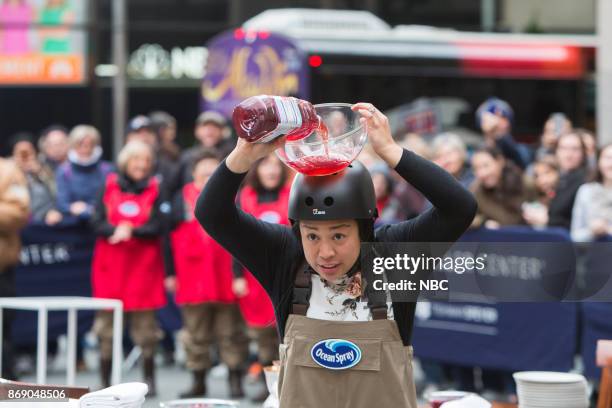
{"points": [[349, 56]]}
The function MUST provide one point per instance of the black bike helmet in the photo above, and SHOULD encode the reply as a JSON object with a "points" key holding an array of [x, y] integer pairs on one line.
{"points": [[348, 194]]}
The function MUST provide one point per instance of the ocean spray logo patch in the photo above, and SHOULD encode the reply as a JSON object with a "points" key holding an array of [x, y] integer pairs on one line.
{"points": [[272, 217], [129, 209], [336, 354]]}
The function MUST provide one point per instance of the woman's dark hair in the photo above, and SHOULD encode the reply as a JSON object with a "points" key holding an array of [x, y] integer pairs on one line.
{"points": [[366, 229], [22, 137], [204, 154], [598, 176], [511, 181], [252, 178], [548, 160]]}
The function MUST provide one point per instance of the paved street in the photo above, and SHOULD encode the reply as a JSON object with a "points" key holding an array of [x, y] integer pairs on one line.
{"points": [[171, 380]]}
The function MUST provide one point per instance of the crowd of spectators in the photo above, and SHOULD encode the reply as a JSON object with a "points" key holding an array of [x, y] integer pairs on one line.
{"points": [[143, 204]]}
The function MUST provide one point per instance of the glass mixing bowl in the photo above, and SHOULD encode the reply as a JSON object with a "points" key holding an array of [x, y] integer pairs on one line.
{"points": [[313, 156]]}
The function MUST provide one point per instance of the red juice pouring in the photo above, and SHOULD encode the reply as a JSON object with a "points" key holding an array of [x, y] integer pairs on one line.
{"points": [[260, 119], [319, 165]]}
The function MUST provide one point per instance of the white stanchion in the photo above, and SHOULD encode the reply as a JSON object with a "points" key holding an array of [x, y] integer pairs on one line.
{"points": [[71, 304]]}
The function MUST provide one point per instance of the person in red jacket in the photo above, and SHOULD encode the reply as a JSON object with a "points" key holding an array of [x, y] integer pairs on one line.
{"points": [[265, 196], [203, 288], [127, 261]]}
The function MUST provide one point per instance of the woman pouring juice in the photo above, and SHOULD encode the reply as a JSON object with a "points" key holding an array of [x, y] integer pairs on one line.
{"points": [[338, 349]]}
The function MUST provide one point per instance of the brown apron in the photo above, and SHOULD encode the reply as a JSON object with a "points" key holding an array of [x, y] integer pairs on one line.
{"points": [[382, 378]]}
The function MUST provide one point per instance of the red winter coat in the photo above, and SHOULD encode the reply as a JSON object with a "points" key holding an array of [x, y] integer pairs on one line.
{"points": [[131, 271], [256, 306], [203, 267]]}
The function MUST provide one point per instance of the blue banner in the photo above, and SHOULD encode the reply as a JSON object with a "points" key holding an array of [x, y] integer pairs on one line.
{"points": [[507, 336], [54, 262], [596, 317], [596, 320]]}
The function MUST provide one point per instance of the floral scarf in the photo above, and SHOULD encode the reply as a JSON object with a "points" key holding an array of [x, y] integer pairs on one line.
{"points": [[351, 286]]}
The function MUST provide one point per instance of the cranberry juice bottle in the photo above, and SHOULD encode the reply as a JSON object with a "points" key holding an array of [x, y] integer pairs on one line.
{"points": [[263, 118]]}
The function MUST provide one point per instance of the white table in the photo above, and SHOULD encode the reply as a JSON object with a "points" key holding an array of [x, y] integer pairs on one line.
{"points": [[71, 304]]}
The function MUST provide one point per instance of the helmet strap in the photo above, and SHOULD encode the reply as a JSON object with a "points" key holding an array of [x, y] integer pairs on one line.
{"points": [[355, 268]]}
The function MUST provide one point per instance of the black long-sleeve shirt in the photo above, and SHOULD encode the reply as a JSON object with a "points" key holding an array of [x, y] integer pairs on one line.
{"points": [[263, 196], [273, 253], [561, 206]]}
